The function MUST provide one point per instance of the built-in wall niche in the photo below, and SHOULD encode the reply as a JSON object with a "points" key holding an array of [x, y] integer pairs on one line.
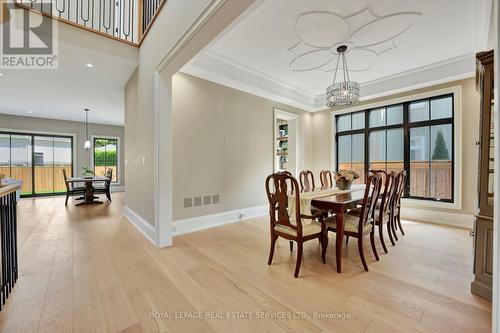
{"points": [[285, 141]]}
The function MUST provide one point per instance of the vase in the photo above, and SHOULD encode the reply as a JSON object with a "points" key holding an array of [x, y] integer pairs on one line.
{"points": [[343, 184]]}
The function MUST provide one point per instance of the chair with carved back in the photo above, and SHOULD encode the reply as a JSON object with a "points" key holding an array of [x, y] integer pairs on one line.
{"points": [[326, 179], [396, 204], [384, 205], [306, 178], [71, 190], [290, 222], [362, 222]]}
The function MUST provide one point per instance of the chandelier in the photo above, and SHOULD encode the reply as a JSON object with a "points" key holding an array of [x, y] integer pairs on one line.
{"points": [[344, 92]]}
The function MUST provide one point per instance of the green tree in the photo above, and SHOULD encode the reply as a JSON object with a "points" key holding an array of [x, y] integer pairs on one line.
{"points": [[440, 151]]}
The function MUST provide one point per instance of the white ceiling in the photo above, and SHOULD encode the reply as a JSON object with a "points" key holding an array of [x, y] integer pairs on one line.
{"points": [[285, 49], [65, 92]]}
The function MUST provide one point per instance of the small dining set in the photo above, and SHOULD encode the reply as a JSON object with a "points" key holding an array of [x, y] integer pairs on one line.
{"points": [[306, 212], [92, 185]]}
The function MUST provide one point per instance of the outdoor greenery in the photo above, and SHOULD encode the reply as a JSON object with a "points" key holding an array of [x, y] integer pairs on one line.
{"points": [[105, 152], [440, 151]]}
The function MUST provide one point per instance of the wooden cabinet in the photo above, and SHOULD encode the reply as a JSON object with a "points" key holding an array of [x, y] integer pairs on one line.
{"points": [[483, 224]]}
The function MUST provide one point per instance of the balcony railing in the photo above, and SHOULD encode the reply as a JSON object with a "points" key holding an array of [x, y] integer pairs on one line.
{"points": [[124, 20], [8, 240]]}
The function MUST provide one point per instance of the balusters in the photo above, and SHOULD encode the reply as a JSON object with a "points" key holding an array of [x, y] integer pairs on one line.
{"points": [[8, 240], [113, 17]]}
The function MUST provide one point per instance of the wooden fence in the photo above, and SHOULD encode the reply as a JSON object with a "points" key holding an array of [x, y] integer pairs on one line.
{"points": [[429, 179], [47, 179]]}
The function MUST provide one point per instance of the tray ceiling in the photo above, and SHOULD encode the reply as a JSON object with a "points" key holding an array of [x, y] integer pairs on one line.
{"points": [[286, 49]]}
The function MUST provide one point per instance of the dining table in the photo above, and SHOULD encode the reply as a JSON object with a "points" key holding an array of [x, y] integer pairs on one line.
{"points": [[338, 203], [88, 198]]}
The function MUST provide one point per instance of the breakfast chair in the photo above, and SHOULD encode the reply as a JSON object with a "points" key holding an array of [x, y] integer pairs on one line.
{"points": [[290, 222], [72, 190], [396, 210], [106, 189], [326, 179], [306, 181], [361, 222], [384, 205]]}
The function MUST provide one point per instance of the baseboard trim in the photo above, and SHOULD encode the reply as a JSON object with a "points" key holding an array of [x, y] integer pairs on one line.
{"points": [[464, 221], [185, 226], [141, 224], [117, 188], [482, 290]]}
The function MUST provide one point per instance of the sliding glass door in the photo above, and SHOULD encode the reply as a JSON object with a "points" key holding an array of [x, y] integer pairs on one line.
{"points": [[37, 160]]}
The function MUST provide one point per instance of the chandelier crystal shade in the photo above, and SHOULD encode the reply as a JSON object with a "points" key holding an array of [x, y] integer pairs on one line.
{"points": [[345, 92]]}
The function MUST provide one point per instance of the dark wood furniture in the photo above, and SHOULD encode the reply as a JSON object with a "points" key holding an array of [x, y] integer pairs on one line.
{"points": [[339, 204], [89, 198], [71, 188], [361, 223], [396, 206], [106, 188], [306, 181], [294, 227], [384, 207], [326, 179], [483, 222]]}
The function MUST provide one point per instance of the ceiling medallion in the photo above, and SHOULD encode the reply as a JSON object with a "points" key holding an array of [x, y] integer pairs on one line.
{"points": [[366, 35], [345, 92]]}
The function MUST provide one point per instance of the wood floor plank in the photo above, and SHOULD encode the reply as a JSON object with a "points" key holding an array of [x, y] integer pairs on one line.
{"points": [[87, 269]]}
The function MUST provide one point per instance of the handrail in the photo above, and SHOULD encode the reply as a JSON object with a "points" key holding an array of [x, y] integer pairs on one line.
{"points": [[7, 189], [127, 21]]}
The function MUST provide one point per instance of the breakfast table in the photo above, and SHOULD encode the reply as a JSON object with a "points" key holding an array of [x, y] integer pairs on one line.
{"points": [[88, 198]]}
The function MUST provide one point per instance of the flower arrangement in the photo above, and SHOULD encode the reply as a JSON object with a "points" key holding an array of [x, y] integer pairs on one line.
{"points": [[344, 179]]}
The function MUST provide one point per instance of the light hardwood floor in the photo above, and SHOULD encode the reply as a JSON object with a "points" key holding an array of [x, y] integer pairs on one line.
{"points": [[89, 270]]}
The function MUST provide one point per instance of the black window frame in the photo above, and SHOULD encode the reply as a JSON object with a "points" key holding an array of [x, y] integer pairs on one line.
{"points": [[406, 125], [33, 177], [94, 138]]}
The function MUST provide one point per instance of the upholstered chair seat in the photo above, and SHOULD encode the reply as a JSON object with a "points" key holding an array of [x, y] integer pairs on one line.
{"points": [[351, 223], [307, 229]]}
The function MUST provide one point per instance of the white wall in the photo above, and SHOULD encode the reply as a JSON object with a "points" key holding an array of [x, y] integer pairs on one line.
{"points": [[223, 144], [173, 21]]}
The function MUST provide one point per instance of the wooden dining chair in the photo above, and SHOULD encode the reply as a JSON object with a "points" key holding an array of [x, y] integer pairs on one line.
{"points": [[326, 179], [292, 225], [71, 190], [306, 178], [361, 222], [384, 205], [396, 205], [106, 189]]}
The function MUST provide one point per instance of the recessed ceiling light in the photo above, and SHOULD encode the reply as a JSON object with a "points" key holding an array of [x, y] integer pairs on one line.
{"points": [[90, 65], [1, 74], [30, 112]]}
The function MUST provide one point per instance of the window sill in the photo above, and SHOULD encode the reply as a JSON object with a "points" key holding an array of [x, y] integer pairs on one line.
{"points": [[417, 203]]}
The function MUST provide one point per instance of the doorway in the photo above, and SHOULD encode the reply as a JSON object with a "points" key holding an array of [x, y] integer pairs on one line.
{"points": [[285, 141]]}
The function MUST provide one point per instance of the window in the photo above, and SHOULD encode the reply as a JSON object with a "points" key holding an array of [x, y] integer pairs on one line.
{"points": [[415, 136], [38, 160], [106, 157]]}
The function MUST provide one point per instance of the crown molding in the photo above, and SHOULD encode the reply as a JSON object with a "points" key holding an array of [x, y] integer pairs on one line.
{"points": [[219, 69], [457, 68], [222, 70]]}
